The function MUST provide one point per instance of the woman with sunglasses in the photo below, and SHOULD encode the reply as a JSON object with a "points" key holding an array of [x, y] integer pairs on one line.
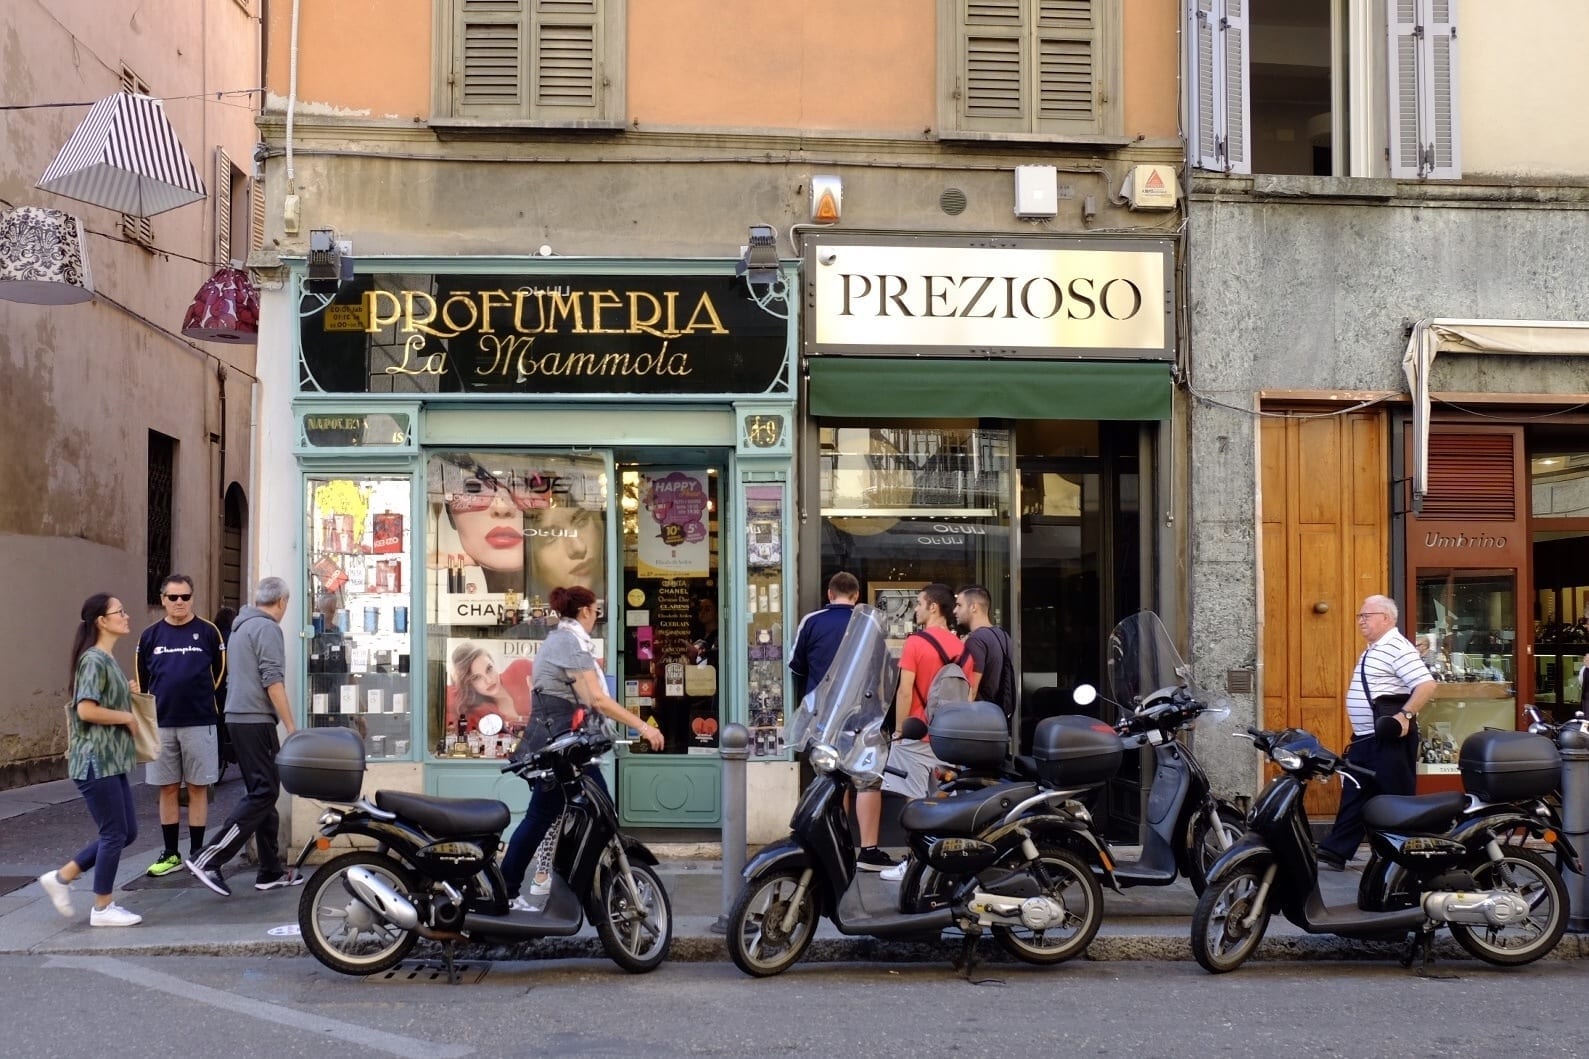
{"points": [[487, 512], [99, 754]]}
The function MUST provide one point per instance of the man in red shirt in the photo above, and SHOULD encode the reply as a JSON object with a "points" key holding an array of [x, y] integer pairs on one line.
{"points": [[922, 657]]}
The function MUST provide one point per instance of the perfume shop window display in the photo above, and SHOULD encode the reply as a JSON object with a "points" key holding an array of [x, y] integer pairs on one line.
{"points": [[504, 530], [358, 672]]}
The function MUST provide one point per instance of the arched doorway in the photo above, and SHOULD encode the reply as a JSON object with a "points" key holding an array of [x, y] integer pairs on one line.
{"points": [[233, 532]]}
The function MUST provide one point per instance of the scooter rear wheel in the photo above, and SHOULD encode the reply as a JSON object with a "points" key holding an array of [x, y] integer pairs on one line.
{"points": [[1073, 886], [1206, 847], [635, 929], [1220, 939], [1531, 877], [757, 940], [342, 931]]}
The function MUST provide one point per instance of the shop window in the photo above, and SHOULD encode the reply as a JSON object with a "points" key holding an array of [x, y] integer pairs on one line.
{"points": [[1558, 484], [503, 529], [157, 540], [1466, 629]]}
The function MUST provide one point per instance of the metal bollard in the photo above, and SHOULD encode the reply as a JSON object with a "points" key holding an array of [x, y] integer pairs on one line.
{"points": [[734, 746], [1575, 822]]}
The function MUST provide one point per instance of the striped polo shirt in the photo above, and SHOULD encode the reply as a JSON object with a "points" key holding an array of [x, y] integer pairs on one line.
{"points": [[1392, 667]]}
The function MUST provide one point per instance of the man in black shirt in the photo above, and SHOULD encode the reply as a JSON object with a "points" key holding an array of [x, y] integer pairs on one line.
{"points": [[993, 657]]}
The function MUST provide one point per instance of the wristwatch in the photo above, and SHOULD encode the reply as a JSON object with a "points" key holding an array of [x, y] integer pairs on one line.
{"points": [[1410, 715]]}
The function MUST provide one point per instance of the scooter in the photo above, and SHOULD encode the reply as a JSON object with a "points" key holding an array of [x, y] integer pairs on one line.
{"points": [[434, 872], [1186, 827], [1004, 854], [1429, 866]]}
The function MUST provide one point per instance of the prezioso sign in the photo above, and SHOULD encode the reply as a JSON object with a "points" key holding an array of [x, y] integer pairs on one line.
{"points": [[567, 334], [1099, 299]]}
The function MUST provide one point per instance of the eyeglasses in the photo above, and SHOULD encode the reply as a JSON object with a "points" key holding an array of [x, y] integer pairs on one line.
{"points": [[1372, 614], [179, 597], [116, 613]]}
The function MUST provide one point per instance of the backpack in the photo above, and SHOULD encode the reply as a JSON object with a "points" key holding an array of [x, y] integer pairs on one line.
{"points": [[949, 685], [1006, 697]]}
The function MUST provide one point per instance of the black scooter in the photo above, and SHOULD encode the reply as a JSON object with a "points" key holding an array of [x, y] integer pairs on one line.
{"points": [[434, 873], [1429, 866]]}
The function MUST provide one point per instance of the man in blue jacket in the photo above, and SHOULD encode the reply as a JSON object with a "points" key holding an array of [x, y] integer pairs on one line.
{"points": [[256, 700], [180, 661], [820, 633]]}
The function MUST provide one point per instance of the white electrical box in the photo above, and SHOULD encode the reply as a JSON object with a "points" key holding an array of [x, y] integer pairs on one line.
{"points": [[1036, 191], [1150, 187]]}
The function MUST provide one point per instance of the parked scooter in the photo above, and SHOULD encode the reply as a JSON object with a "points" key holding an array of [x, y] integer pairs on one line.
{"points": [[1005, 853], [1429, 866], [1187, 828], [434, 873]]}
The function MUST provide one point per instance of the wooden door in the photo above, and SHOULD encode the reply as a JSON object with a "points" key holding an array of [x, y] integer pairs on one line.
{"points": [[1324, 511]]}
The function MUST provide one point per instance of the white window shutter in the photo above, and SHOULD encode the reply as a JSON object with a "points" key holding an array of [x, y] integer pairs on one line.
{"points": [[1217, 79], [1437, 89], [1401, 87], [1236, 145], [1202, 86]]}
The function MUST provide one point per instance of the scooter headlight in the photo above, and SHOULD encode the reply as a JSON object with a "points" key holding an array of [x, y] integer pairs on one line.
{"points": [[1289, 760], [824, 758]]}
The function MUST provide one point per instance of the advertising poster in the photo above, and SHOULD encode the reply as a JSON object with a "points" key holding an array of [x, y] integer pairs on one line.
{"points": [[673, 520]]}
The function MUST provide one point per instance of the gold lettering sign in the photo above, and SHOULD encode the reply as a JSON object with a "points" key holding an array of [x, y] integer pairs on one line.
{"points": [[531, 311]]}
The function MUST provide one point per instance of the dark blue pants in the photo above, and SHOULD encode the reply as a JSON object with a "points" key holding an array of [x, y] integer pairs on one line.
{"points": [[545, 807], [1392, 762], [110, 804]]}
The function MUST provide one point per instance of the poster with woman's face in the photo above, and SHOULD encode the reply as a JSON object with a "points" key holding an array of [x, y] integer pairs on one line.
{"points": [[508, 528]]}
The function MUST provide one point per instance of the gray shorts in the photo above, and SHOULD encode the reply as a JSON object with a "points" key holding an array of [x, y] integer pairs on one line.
{"points": [[188, 755]]}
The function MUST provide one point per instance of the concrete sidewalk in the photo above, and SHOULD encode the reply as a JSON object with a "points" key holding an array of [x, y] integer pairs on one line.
{"points": [[182, 917]]}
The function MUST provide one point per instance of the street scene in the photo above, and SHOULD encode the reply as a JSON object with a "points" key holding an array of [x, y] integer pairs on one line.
{"points": [[818, 514]]}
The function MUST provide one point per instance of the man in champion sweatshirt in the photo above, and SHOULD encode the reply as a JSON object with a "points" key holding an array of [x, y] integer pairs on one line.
{"points": [[256, 700]]}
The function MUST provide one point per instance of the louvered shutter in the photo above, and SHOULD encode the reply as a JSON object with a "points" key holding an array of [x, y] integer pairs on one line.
{"points": [[489, 58], [1437, 87], [1471, 477], [1031, 66], [256, 214], [566, 43], [1217, 79], [994, 68], [1203, 87], [1421, 89], [222, 184], [1236, 145], [1070, 95]]}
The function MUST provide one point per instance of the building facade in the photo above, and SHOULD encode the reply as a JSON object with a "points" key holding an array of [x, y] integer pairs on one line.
{"points": [[707, 303], [1387, 373], [130, 444]]}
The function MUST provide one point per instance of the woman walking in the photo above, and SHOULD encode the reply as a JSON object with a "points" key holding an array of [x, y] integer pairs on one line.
{"points": [[99, 754], [566, 686]]}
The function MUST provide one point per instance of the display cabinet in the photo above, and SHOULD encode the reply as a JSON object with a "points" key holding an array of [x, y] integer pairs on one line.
{"points": [[1467, 635]]}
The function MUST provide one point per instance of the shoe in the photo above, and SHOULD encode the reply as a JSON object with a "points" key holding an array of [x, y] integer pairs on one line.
{"points": [[276, 882], [519, 904], [540, 887], [60, 892], [168, 863], [870, 858], [210, 877], [896, 873], [113, 915], [1331, 861]]}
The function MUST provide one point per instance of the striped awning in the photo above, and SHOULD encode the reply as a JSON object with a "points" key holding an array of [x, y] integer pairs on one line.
{"points": [[126, 157]]}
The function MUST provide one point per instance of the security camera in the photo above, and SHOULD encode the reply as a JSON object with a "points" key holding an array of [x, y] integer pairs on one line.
{"points": [[827, 257]]}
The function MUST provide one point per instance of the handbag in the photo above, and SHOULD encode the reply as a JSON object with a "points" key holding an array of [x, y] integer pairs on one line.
{"points": [[1386, 705], [146, 738]]}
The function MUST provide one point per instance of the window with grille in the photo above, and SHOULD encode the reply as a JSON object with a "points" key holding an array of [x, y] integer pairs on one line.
{"points": [[162, 476]]}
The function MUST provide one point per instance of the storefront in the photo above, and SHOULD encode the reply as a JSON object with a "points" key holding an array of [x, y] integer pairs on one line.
{"points": [[994, 411], [470, 436]]}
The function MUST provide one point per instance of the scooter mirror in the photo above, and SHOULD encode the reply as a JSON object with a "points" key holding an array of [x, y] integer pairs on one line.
{"points": [[1084, 695]]}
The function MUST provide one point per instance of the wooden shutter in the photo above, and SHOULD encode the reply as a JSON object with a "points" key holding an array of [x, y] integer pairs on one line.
{"points": [[1217, 79], [1471, 477], [1421, 89], [994, 70], [489, 50], [256, 214], [223, 208], [1031, 66], [566, 41], [1069, 92]]}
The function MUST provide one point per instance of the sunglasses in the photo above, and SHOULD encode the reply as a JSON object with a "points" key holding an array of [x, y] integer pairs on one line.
{"points": [[480, 491], [179, 597]]}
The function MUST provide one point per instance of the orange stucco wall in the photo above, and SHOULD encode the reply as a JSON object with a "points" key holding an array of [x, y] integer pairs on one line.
{"points": [[1151, 67], [369, 58]]}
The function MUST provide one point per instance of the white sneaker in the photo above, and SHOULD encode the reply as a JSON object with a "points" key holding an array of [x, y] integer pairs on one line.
{"points": [[113, 915], [60, 892], [896, 873], [519, 904], [541, 885]]}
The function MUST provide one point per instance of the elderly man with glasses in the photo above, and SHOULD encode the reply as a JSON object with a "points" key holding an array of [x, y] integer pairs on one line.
{"points": [[1389, 674], [180, 661]]}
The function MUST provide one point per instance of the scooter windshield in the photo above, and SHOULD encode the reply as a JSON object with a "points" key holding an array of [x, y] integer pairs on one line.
{"points": [[1142, 659], [846, 710]]}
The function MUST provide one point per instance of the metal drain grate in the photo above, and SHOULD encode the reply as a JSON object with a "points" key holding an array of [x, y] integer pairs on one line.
{"points": [[427, 971]]}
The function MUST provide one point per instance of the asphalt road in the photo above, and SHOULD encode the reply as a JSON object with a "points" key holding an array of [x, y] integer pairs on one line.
{"points": [[293, 1007]]}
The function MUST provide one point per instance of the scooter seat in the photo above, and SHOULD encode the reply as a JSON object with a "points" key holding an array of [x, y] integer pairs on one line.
{"points": [[963, 812], [446, 816], [1414, 812]]}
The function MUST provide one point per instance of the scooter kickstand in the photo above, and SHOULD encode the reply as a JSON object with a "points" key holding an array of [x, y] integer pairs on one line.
{"points": [[967, 960], [453, 978]]}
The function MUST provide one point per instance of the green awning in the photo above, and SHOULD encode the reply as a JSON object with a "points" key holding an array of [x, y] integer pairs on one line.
{"points": [[901, 387]]}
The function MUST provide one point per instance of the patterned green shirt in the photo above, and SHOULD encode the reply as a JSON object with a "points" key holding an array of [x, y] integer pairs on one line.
{"points": [[94, 751]]}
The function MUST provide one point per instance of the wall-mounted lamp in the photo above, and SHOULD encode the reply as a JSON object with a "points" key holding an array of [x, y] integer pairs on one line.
{"points": [[43, 260], [827, 199], [758, 259], [330, 261], [226, 309]]}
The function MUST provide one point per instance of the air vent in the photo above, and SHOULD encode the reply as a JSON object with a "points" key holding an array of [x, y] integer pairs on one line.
{"points": [[1471, 477], [1239, 681], [952, 201]]}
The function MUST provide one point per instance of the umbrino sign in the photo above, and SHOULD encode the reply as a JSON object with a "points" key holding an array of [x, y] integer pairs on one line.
{"points": [[1087, 298]]}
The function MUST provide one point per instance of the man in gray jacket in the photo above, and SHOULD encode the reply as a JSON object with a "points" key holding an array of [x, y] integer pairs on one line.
{"points": [[256, 699]]}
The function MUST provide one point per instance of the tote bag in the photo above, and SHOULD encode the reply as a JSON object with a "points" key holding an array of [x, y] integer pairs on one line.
{"points": [[147, 739]]}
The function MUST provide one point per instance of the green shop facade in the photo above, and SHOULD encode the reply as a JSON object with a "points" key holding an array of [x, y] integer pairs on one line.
{"points": [[469, 435]]}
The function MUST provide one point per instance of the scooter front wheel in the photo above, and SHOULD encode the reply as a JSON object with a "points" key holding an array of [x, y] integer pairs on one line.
{"points": [[1529, 876], [1072, 887], [1210, 839], [341, 930], [1221, 938], [769, 928], [635, 926]]}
